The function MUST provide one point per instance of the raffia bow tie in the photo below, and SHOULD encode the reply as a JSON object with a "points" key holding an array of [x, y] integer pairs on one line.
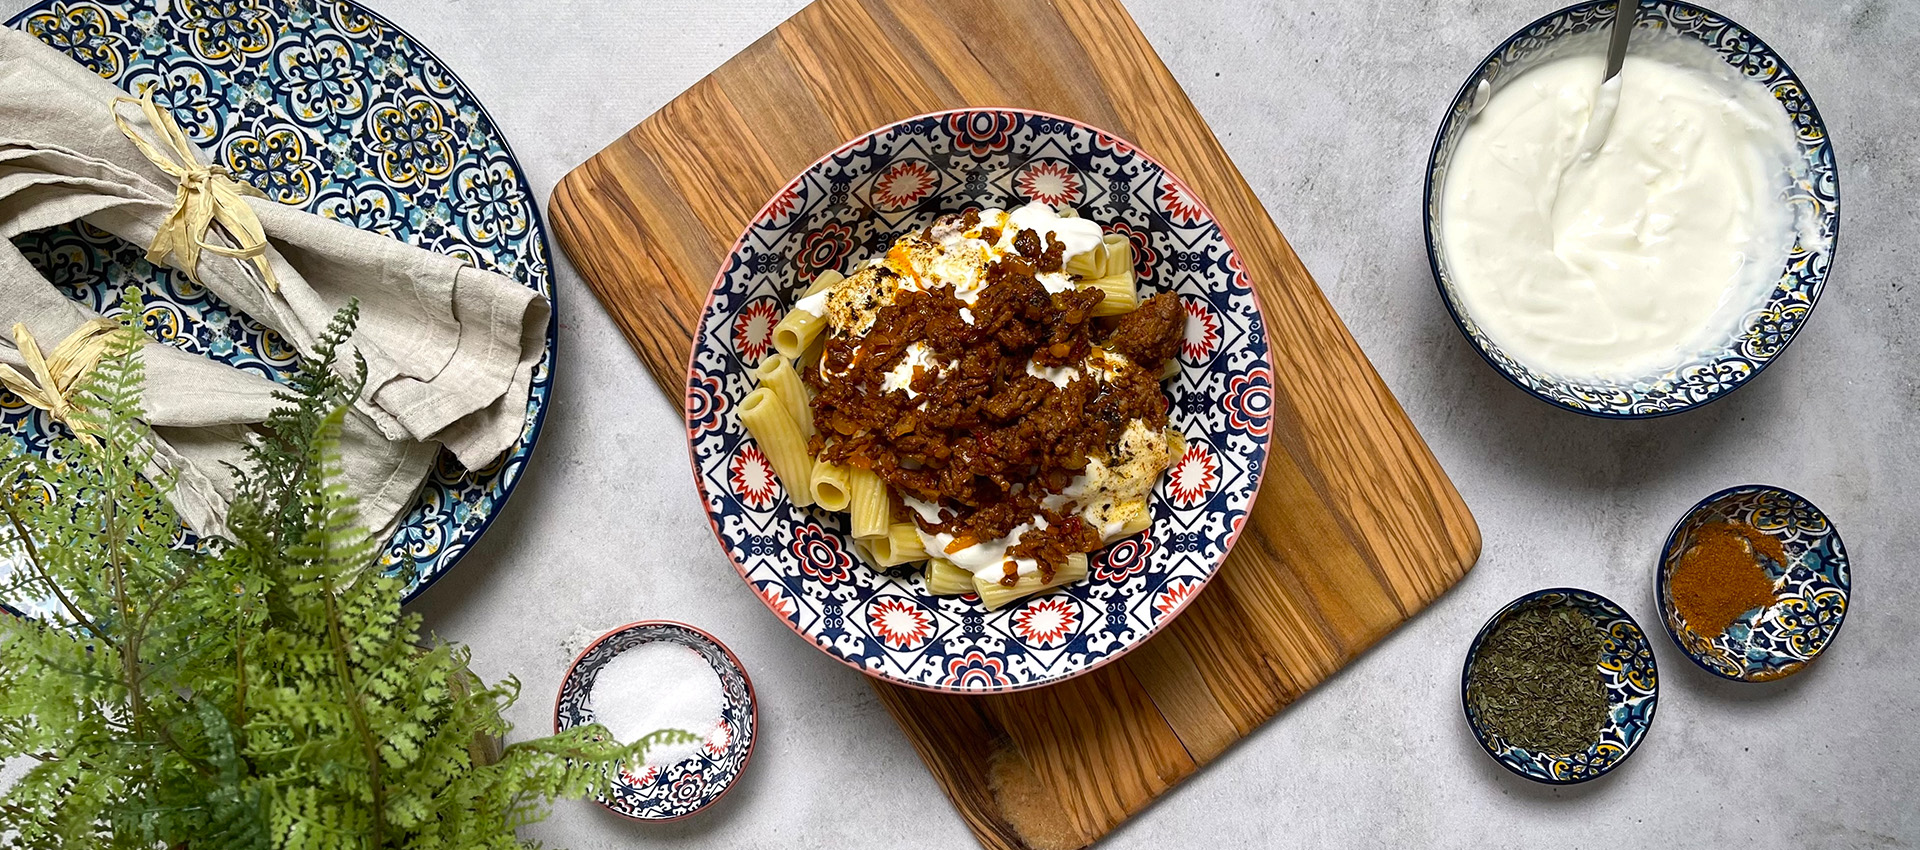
{"points": [[58, 375], [206, 195]]}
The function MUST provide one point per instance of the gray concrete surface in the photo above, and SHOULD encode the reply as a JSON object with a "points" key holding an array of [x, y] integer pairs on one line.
{"points": [[1329, 109]]}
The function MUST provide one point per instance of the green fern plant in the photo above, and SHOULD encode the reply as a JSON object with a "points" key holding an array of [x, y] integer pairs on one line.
{"points": [[263, 691]]}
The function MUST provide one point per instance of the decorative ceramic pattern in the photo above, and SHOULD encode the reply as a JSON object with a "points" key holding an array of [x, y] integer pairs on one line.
{"points": [[853, 204], [327, 106], [689, 785], [1627, 668], [1811, 590], [1767, 329]]}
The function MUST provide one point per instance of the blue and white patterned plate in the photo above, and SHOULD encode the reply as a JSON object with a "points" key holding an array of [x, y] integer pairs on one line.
{"points": [[324, 105], [687, 786], [1811, 591], [852, 204], [1768, 328], [1627, 668]]}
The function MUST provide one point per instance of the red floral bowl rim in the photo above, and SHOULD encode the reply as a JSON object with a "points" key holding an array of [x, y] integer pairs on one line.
{"points": [[719, 280]]}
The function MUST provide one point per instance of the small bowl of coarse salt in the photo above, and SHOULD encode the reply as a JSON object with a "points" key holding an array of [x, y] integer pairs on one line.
{"points": [[655, 675]]}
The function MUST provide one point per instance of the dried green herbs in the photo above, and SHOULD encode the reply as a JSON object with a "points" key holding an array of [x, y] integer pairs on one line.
{"points": [[1536, 680]]}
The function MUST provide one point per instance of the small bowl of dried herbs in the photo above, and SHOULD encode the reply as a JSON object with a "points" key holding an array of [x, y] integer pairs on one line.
{"points": [[1753, 582], [1560, 685]]}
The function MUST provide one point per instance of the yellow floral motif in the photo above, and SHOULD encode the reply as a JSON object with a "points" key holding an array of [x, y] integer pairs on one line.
{"points": [[221, 28], [277, 165], [413, 141], [82, 31]]}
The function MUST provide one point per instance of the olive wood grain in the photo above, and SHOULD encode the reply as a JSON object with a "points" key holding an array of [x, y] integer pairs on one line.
{"points": [[1356, 527]]}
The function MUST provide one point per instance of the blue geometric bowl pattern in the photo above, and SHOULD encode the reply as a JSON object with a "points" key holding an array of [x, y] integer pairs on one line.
{"points": [[852, 204], [1766, 330], [693, 783], [1627, 669], [324, 105], [1811, 590]]}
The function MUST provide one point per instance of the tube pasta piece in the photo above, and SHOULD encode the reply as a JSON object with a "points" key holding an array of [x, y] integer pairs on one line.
{"points": [[764, 417], [1171, 369], [1116, 277], [993, 594], [879, 551], [867, 503], [945, 579], [829, 486], [777, 373], [797, 330], [906, 542], [1089, 264], [893, 550]]}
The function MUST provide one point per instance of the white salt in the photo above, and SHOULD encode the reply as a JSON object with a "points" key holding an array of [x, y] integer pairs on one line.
{"points": [[656, 686]]}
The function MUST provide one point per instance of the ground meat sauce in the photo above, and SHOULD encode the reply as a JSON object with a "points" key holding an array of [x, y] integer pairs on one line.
{"points": [[987, 441]]}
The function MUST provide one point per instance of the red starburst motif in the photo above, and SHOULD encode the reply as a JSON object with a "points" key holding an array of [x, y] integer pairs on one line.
{"points": [[642, 779], [899, 623], [718, 740], [1046, 622], [1179, 204], [1174, 595], [777, 600], [1203, 330], [1194, 475], [751, 476], [976, 671], [1249, 402], [904, 184], [783, 205], [1049, 181], [753, 329]]}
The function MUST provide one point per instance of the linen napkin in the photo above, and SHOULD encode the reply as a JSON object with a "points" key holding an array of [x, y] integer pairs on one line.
{"points": [[450, 349], [202, 413]]}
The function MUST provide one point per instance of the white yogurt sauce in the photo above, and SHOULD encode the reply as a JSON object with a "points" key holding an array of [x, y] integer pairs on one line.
{"points": [[815, 303], [1615, 232], [1078, 235], [900, 377], [1059, 376]]}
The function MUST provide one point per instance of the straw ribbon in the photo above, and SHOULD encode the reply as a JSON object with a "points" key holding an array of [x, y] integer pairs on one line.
{"points": [[206, 195], [56, 377]]}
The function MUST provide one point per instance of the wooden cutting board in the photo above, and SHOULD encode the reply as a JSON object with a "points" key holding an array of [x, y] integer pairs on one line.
{"points": [[1356, 527]]}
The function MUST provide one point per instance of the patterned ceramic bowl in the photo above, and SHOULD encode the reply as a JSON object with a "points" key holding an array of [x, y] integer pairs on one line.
{"points": [[1626, 666], [329, 107], [1811, 590], [692, 784], [1767, 328], [852, 204]]}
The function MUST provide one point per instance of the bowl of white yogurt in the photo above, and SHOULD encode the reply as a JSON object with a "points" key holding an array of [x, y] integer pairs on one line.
{"points": [[1639, 247]]}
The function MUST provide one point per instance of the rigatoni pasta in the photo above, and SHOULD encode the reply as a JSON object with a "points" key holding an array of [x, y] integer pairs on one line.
{"points": [[762, 414]]}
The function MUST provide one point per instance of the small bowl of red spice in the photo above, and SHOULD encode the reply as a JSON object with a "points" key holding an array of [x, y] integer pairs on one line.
{"points": [[1753, 583]]}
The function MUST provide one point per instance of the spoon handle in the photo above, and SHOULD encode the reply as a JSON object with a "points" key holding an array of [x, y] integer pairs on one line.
{"points": [[1624, 12]]}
